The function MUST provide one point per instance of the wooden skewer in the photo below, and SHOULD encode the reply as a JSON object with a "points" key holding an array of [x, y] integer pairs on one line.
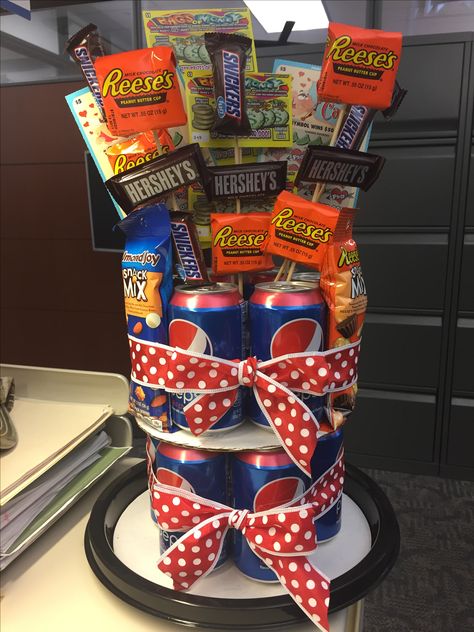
{"points": [[319, 188], [282, 270], [238, 208]]}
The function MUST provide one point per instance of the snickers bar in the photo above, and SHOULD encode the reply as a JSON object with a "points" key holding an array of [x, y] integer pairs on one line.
{"points": [[157, 178], [336, 166], [189, 260], [84, 47], [228, 53], [250, 180]]}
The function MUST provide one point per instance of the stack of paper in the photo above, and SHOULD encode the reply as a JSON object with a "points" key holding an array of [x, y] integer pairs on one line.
{"points": [[63, 448]]}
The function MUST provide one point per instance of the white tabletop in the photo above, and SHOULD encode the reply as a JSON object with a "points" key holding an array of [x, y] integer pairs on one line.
{"points": [[51, 587]]}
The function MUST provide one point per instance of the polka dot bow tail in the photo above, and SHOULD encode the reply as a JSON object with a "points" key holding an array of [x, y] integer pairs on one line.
{"points": [[282, 537], [274, 382]]}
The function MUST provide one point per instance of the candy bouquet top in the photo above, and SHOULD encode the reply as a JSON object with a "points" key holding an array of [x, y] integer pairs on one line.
{"points": [[205, 155]]}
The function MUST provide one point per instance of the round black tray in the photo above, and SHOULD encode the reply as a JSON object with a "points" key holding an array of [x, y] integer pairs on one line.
{"points": [[235, 614]]}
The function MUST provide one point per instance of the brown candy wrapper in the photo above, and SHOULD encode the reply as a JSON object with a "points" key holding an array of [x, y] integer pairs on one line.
{"points": [[84, 48], [228, 53], [343, 289]]}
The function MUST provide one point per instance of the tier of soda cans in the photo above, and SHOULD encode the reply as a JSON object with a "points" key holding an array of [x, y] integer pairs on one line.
{"points": [[254, 480], [280, 318]]}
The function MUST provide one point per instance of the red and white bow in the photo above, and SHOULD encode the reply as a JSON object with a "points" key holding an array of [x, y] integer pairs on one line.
{"points": [[282, 537], [216, 381]]}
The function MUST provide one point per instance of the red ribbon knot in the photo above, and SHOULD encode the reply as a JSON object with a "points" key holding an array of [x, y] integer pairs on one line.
{"points": [[247, 374]]}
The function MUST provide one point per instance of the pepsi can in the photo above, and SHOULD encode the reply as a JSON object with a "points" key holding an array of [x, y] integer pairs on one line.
{"points": [[251, 279], [324, 457], [197, 471], [150, 452], [262, 481], [286, 317], [308, 277], [207, 319]]}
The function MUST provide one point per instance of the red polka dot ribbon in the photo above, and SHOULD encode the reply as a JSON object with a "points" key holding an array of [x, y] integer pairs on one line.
{"points": [[282, 537], [216, 382]]}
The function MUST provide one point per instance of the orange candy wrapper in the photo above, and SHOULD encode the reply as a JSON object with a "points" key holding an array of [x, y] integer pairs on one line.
{"points": [[300, 230], [140, 90], [359, 66], [343, 288], [238, 242], [130, 152]]}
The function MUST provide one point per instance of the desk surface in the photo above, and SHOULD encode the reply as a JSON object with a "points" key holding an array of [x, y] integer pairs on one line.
{"points": [[51, 587]]}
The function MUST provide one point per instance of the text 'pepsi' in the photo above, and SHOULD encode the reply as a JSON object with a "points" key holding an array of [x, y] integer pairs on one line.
{"points": [[286, 317], [207, 319], [196, 471], [262, 481]]}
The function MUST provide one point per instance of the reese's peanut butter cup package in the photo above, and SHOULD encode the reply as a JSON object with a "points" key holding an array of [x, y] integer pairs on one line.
{"points": [[140, 90], [359, 66], [300, 229], [228, 53], [343, 289], [147, 287], [238, 242], [131, 152]]}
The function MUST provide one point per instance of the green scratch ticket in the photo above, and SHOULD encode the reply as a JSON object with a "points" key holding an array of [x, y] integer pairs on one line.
{"points": [[269, 110], [184, 31]]}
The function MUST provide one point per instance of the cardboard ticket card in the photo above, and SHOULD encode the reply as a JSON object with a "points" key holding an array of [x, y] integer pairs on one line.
{"points": [[95, 133], [269, 109], [184, 31], [313, 124], [115, 154]]}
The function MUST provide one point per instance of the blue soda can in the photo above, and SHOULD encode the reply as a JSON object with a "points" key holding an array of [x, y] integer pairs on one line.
{"points": [[202, 473], [207, 319], [262, 481], [286, 317], [151, 445], [327, 449]]}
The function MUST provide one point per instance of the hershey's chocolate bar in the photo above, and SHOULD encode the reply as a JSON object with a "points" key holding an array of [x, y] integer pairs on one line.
{"points": [[157, 178], [251, 180], [339, 166]]}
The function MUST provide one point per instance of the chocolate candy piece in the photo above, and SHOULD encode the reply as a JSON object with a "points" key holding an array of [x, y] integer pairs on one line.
{"points": [[249, 180], [84, 47], [155, 179], [339, 166], [189, 260], [398, 95], [228, 53], [354, 127]]}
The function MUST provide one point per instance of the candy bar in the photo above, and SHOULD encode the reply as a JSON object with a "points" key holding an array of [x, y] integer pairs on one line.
{"points": [[354, 127], [189, 260], [238, 242], [336, 166], [300, 229], [140, 90], [228, 54], [248, 181], [359, 66], [158, 177], [85, 47]]}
